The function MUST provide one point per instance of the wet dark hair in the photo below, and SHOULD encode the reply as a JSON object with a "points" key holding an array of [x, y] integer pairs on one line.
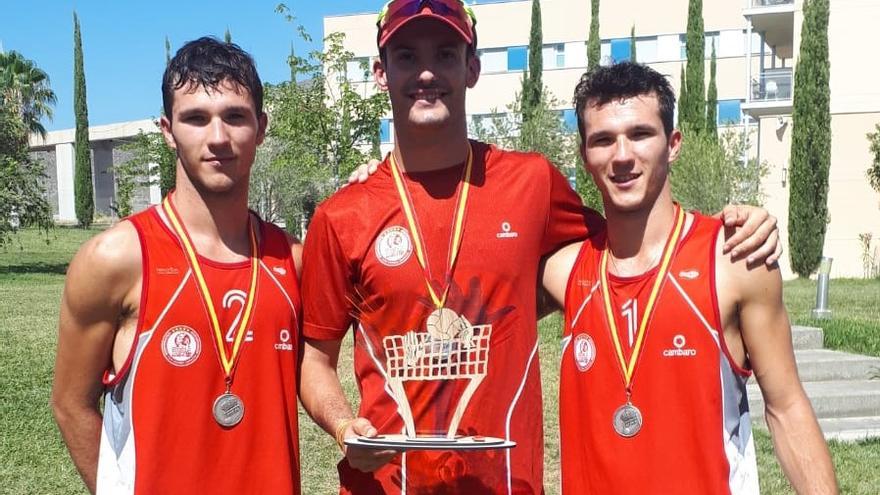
{"points": [[601, 85], [206, 63]]}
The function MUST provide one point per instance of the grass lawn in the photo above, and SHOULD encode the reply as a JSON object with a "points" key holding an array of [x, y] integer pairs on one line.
{"points": [[33, 459]]}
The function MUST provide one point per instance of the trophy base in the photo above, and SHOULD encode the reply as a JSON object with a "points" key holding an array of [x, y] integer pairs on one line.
{"points": [[404, 443]]}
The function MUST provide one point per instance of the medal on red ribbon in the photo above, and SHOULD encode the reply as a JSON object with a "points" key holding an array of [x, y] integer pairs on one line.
{"points": [[627, 420], [228, 408]]}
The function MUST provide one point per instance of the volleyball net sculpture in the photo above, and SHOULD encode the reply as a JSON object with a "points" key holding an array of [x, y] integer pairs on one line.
{"points": [[450, 349]]}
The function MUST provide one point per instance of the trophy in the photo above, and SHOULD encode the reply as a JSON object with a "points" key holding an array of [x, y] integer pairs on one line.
{"points": [[450, 349]]}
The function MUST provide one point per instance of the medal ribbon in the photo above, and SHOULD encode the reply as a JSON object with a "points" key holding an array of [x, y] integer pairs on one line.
{"points": [[227, 361], [408, 209], [629, 368]]}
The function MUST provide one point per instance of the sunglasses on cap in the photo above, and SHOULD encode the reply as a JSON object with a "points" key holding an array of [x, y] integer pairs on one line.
{"points": [[454, 13]]}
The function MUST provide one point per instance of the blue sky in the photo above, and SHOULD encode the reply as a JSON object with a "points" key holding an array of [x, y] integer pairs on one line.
{"points": [[124, 44]]}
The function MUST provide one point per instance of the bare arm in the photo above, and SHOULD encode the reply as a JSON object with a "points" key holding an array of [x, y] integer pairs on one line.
{"points": [[323, 399], [556, 269], [97, 298], [751, 301]]}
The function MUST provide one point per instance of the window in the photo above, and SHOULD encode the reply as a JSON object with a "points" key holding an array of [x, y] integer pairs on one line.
{"points": [[554, 56], [729, 112], [493, 60], [385, 130], [569, 120], [621, 50], [605, 53], [517, 58], [646, 49], [712, 39], [358, 69]]}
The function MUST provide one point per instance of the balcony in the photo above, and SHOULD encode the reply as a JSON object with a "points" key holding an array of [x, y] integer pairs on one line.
{"points": [[774, 19], [771, 93]]}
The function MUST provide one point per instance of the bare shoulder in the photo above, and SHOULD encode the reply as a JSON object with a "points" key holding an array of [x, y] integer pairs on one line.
{"points": [[296, 249], [109, 262], [739, 281]]}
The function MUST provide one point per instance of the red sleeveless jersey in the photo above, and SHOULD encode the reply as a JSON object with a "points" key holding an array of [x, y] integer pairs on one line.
{"points": [[159, 434], [696, 435]]}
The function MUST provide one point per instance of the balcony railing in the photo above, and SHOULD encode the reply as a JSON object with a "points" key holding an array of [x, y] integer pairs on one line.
{"points": [[768, 3], [772, 85]]}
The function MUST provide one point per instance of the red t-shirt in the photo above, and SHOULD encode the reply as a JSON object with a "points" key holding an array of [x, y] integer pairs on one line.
{"points": [[361, 268], [159, 434], [696, 433]]}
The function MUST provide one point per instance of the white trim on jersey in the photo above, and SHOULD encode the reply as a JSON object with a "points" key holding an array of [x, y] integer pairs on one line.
{"points": [[280, 287], [584, 304], [116, 474], [687, 299], [522, 385]]}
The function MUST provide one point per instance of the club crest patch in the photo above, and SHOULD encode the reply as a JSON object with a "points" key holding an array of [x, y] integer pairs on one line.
{"points": [[394, 246], [584, 351], [181, 345]]}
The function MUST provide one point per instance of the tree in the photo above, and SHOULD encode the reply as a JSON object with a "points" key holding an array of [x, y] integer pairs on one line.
{"points": [[682, 94], [533, 85], [545, 133], [322, 128], [874, 169], [709, 173], [167, 51], [24, 87], [692, 106], [810, 142], [712, 99], [594, 43], [82, 182], [227, 36], [22, 197], [632, 44]]}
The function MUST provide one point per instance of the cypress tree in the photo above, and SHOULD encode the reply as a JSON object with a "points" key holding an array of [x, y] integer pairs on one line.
{"points": [[693, 105], [594, 43], [167, 158], [632, 44], [167, 51], [810, 142], [712, 100], [533, 84], [82, 182], [227, 36], [682, 96]]}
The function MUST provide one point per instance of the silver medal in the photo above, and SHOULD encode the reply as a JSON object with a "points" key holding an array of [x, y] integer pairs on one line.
{"points": [[228, 410], [627, 420]]}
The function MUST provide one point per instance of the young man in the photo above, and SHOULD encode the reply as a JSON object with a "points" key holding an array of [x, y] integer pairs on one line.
{"points": [[184, 316], [662, 330], [446, 226]]}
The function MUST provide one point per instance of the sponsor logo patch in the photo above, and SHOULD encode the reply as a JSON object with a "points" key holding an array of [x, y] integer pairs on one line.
{"points": [[506, 232], [689, 274], [584, 352], [181, 345], [279, 270], [283, 343], [394, 246], [167, 270], [679, 350]]}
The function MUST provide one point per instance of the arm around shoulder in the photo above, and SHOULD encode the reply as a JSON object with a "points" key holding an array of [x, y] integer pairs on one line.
{"points": [[101, 288]]}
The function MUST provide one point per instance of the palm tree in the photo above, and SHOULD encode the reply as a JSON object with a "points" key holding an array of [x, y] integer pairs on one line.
{"points": [[25, 87]]}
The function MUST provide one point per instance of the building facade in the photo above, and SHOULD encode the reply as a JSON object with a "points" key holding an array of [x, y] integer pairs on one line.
{"points": [[756, 43], [56, 152]]}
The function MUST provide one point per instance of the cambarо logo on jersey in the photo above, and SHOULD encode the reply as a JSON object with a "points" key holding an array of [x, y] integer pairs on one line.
{"points": [[393, 247], [689, 274], [506, 232], [284, 341], [181, 345], [584, 351], [679, 342]]}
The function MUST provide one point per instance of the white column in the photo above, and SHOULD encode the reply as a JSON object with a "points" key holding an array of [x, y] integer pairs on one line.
{"points": [[749, 60], [155, 190], [64, 176]]}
